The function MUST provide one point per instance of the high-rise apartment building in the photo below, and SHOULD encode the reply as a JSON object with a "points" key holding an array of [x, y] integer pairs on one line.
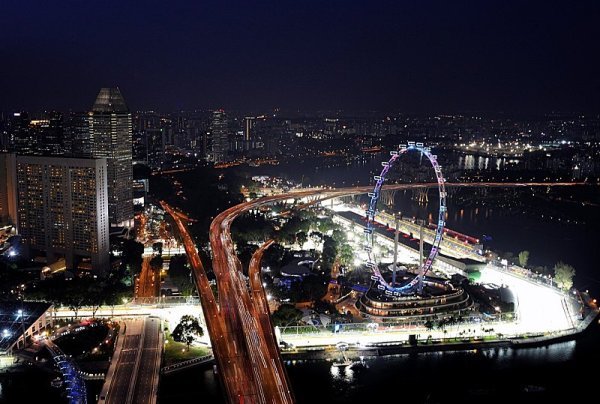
{"points": [[62, 208], [110, 129], [219, 136]]}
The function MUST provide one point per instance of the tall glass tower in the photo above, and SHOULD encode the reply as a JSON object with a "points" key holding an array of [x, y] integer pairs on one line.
{"points": [[219, 136], [110, 129]]}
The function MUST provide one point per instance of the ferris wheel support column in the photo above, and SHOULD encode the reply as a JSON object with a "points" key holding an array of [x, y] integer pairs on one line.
{"points": [[396, 241], [421, 261]]}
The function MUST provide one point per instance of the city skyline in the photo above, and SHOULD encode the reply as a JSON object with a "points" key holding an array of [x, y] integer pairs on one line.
{"points": [[340, 201], [391, 56]]}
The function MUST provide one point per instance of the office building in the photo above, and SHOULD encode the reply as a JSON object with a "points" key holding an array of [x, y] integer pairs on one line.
{"points": [[21, 138], [111, 138], [48, 134], [78, 141], [219, 137], [40, 136]]}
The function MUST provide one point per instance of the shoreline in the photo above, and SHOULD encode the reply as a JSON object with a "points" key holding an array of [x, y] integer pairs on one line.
{"points": [[325, 352]]}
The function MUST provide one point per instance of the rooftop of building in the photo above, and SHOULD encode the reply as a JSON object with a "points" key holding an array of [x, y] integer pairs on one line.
{"points": [[298, 267], [110, 100]]}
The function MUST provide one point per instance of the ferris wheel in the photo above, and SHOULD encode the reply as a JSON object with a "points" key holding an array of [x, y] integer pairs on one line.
{"points": [[371, 212]]}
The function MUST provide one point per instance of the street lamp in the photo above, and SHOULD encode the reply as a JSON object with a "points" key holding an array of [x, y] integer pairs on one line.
{"points": [[20, 314]]}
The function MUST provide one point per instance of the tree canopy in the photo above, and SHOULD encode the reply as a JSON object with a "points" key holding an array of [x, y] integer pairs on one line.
{"points": [[187, 330], [286, 315], [563, 275], [523, 258]]}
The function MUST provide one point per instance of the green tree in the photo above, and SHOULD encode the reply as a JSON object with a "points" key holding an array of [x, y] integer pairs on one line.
{"points": [[339, 236], [325, 225], [563, 275], [187, 329], [286, 315], [523, 258], [75, 298], [313, 287], [115, 293], [95, 296], [329, 254], [346, 254]]}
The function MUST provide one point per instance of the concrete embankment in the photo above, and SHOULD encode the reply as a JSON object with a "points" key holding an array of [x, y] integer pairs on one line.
{"points": [[393, 348]]}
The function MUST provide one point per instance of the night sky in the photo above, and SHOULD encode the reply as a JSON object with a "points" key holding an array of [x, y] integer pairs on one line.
{"points": [[409, 56]]}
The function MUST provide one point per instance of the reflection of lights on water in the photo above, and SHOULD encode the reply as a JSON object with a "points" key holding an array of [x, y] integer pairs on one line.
{"points": [[342, 373]]}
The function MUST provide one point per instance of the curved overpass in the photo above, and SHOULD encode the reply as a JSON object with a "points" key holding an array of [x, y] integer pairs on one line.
{"points": [[245, 349]]}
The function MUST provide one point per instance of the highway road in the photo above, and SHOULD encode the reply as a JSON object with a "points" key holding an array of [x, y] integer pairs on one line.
{"points": [[120, 382], [133, 375], [146, 383], [247, 355]]}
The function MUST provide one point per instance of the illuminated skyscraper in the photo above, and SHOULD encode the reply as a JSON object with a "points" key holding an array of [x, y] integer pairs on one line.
{"points": [[248, 127], [219, 137], [110, 129]]}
